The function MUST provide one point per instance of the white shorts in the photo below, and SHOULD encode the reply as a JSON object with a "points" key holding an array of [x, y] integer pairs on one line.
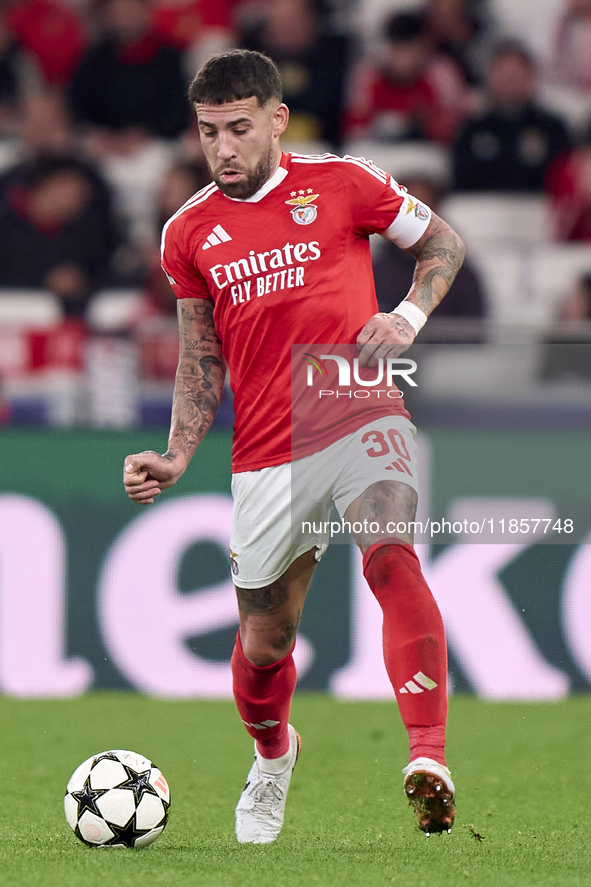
{"points": [[280, 512]]}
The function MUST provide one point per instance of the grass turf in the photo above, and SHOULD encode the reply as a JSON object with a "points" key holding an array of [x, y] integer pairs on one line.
{"points": [[523, 790]]}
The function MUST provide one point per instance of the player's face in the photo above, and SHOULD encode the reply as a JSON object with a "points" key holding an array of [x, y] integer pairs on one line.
{"points": [[241, 143]]}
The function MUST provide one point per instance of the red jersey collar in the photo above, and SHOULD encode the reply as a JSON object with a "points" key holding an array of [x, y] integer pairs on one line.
{"points": [[276, 179]]}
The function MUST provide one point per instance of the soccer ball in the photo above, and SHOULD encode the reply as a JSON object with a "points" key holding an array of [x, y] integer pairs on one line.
{"points": [[117, 799]]}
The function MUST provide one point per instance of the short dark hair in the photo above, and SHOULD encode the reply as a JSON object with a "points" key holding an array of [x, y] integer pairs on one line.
{"points": [[405, 27], [234, 75], [42, 169]]}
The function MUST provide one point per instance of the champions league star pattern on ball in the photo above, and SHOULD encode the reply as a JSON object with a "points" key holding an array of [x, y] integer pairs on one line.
{"points": [[117, 799]]}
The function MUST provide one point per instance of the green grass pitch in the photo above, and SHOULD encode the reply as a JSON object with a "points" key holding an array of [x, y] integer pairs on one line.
{"points": [[522, 774]]}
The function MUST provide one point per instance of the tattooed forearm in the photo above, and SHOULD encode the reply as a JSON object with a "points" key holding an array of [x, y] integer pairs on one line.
{"points": [[199, 381], [195, 346], [439, 254]]}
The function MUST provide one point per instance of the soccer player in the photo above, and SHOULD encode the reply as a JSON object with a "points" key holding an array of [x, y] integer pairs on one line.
{"points": [[275, 252]]}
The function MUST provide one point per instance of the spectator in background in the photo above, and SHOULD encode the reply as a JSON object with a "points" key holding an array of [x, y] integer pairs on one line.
{"points": [[512, 144], [571, 52], [181, 182], [45, 127], [312, 61], [130, 86], [53, 235], [569, 186], [199, 28], [19, 77], [129, 97], [565, 354], [46, 136], [456, 32], [53, 33], [393, 269], [400, 98]]}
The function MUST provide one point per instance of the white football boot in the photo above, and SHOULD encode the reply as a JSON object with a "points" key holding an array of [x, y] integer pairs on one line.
{"points": [[431, 793], [260, 810]]}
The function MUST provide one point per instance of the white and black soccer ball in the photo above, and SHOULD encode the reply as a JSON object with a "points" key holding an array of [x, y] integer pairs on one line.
{"points": [[117, 799]]}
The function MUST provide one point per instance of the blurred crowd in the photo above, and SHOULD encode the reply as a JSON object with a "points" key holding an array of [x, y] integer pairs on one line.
{"points": [[98, 146]]}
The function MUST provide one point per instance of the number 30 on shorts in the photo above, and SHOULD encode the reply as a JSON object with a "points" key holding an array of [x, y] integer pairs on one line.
{"points": [[382, 447]]}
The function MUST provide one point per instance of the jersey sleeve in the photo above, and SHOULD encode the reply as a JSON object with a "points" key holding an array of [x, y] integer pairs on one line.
{"points": [[379, 205], [185, 279]]}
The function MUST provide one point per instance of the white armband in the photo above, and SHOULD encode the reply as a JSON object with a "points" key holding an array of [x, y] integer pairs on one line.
{"points": [[410, 223], [412, 313]]}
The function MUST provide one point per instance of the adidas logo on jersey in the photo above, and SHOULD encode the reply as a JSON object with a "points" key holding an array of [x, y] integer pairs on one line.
{"points": [[420, 682], [217, 236]]}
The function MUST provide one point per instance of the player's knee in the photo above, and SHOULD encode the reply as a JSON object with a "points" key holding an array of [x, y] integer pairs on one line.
{"points": [[264, 650]]}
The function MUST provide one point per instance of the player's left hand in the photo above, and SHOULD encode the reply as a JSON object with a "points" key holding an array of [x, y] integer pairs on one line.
{"points": [[384, 335]]}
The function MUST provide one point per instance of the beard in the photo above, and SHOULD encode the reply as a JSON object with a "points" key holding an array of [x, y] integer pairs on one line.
{"points": [[254, 179]]}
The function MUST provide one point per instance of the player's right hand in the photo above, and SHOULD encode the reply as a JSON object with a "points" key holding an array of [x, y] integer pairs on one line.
{"points": [[146, 474]]}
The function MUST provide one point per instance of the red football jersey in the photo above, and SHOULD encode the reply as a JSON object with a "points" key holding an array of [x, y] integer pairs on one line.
{"points": [[289, 265]]}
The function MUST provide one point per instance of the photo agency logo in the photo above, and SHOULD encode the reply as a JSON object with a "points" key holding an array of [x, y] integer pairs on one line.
{"points": [[349, 379]]}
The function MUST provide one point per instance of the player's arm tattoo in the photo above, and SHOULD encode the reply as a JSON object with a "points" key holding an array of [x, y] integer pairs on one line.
{"points": [[439, 254], [199, 381]]}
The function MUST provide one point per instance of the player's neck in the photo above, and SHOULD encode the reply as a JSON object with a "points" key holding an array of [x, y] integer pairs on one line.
{"points": [[277, 160]]}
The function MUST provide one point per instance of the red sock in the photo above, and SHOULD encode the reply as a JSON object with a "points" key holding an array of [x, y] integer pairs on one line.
{"points": [[415, 651], [263, 697]]}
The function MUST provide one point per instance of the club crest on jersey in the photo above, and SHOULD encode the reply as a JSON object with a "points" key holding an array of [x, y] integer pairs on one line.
{"points": [[304, 212], [420, 210]]}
